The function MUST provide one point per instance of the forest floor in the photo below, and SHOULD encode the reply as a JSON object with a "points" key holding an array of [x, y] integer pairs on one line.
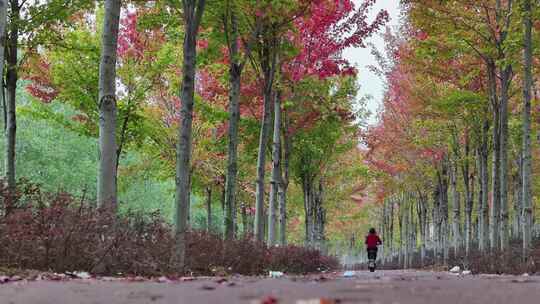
{"points": [[392, 287]]}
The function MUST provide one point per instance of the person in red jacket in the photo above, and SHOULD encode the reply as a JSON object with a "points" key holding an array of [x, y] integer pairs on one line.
{"points": [[372, 243]]}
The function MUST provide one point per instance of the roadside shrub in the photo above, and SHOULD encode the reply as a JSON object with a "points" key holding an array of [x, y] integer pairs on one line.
{"points": [[509, 261], [58, 232], [295, 259]]}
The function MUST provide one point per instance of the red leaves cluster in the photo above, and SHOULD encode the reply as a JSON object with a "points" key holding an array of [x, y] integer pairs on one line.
{"points": [[136, 44], [41, 86], [331, 27]]}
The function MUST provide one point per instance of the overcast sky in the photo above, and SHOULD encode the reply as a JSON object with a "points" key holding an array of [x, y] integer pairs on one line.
{"points": [[371, 84]]}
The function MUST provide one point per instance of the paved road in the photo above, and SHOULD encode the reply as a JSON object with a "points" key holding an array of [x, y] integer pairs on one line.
{"points": [[390, 287]]}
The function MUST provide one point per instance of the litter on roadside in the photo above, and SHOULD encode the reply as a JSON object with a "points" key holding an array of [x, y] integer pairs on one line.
{"points": [[349, 274], [275, 274]]}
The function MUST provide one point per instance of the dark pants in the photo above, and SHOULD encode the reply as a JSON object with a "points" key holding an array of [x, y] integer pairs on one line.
{"points": [[372, 253]]}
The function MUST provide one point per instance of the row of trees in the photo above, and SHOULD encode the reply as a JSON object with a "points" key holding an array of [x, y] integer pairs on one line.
{"points": [[205, 88], [453, 150]]}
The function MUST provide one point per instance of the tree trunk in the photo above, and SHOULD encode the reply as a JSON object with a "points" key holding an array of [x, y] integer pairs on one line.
{"points": [[245, 225], [518, 198], [479, 172], [495, 181], [526, 149], [469, 193], [223, 201], [192, 11], [282, 213], [307, 188], [506, 79], [284, 185], [383, 225], [276, 173], [235, 72], [436, 211], [401, 223], [444, 211], [483, 215], [11, 118], [3, 43], [390, 242], [406, 232], [422, 218], [209, 209], [319, 218], [413, 226], [268, 64], [106, 192], [457, 211]]}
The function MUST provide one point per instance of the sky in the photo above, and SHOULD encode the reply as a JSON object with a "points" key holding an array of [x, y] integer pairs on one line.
{"points": [[371, 84]]}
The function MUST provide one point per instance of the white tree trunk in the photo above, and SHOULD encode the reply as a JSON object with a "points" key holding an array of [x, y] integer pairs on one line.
{"points": [[457, 210], [495, 181], [526, 149], [517, 191], [11, 114], [284, 185], [3, 27], [276, 173], [209, 209], [106, 192], [268, 64], [506, 78], [483, 215]]}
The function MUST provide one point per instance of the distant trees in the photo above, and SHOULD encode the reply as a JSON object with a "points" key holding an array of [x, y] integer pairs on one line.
{"points": [[450, 86]]}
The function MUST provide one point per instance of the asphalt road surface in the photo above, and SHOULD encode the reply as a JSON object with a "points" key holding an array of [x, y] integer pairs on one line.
{"points": [[392, 287]]}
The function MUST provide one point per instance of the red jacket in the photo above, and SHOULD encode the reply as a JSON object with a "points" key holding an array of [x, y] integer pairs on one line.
{"points": [[373, 240]]}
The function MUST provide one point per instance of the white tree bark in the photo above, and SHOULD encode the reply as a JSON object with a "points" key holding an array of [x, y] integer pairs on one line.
{"points": [[506, 78], [209, 209], [457, 210], [11, 114], [483, 215], [276, 173], [422, 220], [517, 191], [3, 28], [495, 181], [284, 185], [526, 149], [106, 192], [268, 65]]}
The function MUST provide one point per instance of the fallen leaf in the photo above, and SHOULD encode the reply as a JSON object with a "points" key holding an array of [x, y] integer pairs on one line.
{"points": [[521, 281], [319, 301], [109, 279], [55, 277], [82, 275], [136, 279], [186, 279], [207, 287], [269, 300], [163, 279]]}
